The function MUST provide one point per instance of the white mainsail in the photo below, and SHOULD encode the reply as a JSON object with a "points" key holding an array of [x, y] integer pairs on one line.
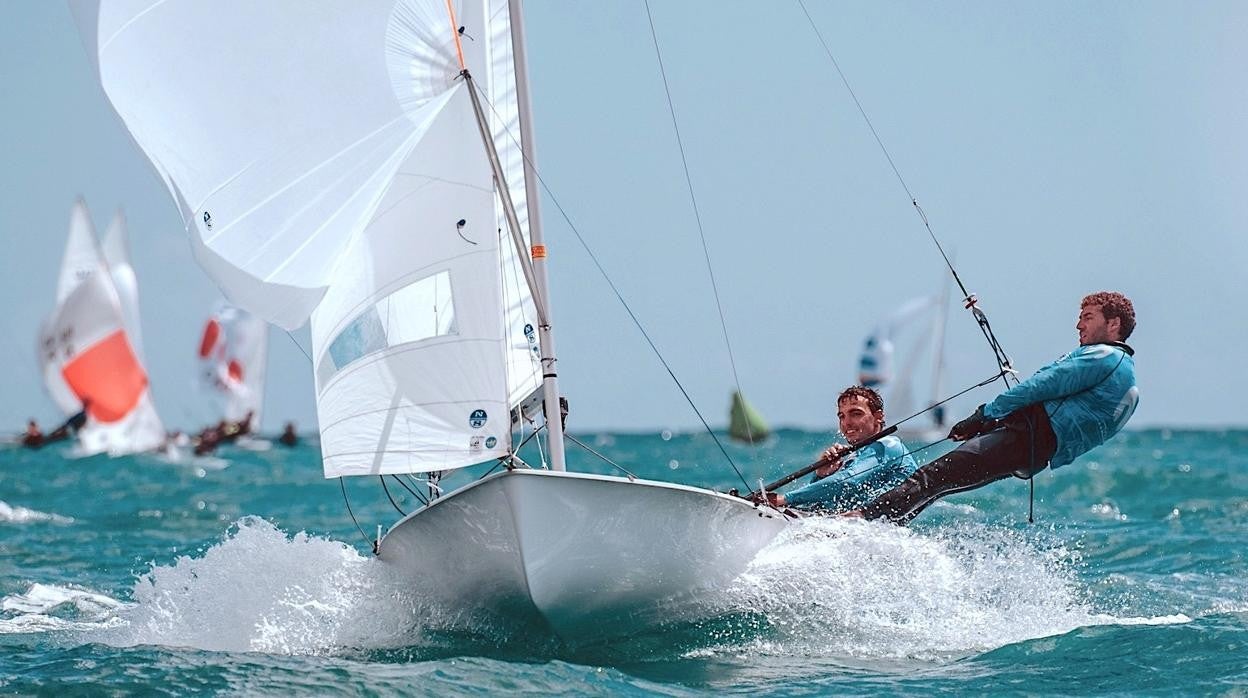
{"points": [[86, 354], [377, 215], [232, 354]]}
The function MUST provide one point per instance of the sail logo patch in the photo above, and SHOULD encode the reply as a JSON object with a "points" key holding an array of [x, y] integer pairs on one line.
{"points": [[491, 442], [474, 443], [477, 419]]}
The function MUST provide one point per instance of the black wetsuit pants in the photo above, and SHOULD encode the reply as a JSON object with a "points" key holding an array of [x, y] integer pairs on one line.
{"points": [[1021, 444]]}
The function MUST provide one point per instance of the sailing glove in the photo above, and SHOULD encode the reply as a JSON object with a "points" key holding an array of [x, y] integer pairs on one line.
{"points": [[971, 427]]}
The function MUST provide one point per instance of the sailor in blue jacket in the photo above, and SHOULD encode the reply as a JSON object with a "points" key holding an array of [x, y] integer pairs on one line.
{"points": [[1063, 411], [851, 481]]}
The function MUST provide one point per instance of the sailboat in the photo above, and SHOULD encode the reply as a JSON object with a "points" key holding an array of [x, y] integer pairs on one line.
{"points": [[373, 171], [232, 353], [745, 423], [87, 348], [921, 321]]}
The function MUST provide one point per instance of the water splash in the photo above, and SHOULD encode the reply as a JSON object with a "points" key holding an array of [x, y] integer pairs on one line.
{"points": [[261, 590], [843, 588], [826, 588]]}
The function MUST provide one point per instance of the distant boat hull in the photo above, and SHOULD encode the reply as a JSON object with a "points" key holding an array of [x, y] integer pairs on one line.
{"points": [[587, 554]]}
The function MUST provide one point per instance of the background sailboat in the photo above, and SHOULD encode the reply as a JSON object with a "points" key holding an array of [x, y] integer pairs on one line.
{"points": [[86, 353], [400, 214], [919, 324], [745, 423], [232, 354]]}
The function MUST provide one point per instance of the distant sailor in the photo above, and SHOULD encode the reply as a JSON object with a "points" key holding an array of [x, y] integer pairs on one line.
{"points": [[851, 481], [1063, 411], [32, 437], [288, 437]]}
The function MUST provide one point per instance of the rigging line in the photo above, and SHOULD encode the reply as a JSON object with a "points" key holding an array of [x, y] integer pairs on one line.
{"points": [[399, 480], [879, 141], [370, 543], [958, 394], [392, 502], [620, 297], [706, 254], [969, 299], [578, 442], [297, 344]]}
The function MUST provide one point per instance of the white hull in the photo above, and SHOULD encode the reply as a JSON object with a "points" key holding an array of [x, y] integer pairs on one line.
{"points": [[587, 554]]}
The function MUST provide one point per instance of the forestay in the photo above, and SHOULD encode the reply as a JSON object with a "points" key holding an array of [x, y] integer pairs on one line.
{"points": [[339, 173]]}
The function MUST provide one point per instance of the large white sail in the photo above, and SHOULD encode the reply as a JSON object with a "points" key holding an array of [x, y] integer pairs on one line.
{"points": [[233, 351], [86, 355], [350, 183]]}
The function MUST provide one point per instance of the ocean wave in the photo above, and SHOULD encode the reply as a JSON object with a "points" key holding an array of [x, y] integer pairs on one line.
{"points": [[51, 608], [21, 515]]}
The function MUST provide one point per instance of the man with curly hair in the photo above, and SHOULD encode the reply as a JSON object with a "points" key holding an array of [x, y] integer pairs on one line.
{"points": [[1063, 411], [850, 481]]}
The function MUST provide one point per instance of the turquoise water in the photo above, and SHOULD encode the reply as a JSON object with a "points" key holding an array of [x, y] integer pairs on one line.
{"points": [[244, 574]]}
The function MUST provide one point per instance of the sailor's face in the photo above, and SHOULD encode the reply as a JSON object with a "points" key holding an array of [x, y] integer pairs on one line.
{"points": [[1094, 328], [858, 423]]}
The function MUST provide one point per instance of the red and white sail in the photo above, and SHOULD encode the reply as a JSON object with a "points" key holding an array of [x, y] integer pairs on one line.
{"points": [[87, 354], [232, 355]]}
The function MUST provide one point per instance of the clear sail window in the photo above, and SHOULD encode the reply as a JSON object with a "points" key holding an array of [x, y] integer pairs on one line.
{"points": [[420, 310]]}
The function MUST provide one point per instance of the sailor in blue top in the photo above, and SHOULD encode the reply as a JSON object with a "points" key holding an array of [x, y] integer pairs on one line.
{"points": [[852, 480], [1063, 411]]}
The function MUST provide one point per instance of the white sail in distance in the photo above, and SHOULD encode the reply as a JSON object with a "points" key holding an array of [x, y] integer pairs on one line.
{"points": [[876, 363], [116, 248], [233, 351], [348, 183], [86, 354]]}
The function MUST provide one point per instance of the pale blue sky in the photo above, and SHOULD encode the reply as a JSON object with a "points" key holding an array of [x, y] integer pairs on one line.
{"points": [[1060, 148]]}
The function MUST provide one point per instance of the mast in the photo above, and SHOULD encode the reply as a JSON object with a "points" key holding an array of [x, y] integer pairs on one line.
{"points": [[546, 334], [554, 427]]}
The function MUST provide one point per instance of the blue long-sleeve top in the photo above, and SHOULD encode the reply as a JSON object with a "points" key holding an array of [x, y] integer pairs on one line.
{"points": [[1089, 394], [865, 475]]}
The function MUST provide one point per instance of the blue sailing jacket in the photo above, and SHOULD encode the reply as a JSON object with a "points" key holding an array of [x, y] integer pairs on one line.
{"points": [[866, 475], [1089, 394]]}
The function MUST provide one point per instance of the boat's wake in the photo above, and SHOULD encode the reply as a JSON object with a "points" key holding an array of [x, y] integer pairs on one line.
{"points": [[834, 588]]}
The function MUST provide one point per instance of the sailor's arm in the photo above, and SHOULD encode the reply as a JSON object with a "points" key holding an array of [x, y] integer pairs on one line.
{"points": [[1082, 369], [824, 490]]}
